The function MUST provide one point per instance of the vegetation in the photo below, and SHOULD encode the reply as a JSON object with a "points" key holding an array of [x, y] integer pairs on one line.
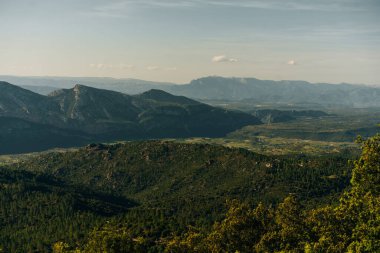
{"points": [[283, 146], [334, 128], [150, 190], [36, 210], [315, 136], [352, 225], [269, 116]]}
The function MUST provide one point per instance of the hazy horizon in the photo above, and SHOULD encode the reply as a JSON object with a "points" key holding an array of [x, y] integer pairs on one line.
{"points": [[335, 41], [169, 82]]}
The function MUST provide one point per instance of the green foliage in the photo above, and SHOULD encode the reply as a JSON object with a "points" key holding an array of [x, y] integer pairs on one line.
{"points": [[351, 226], [152, 189], [241, 228], [343, 127], [159, 171], [294, 225], [366, 174], [36, 210], [111, 239], [244, 229]]}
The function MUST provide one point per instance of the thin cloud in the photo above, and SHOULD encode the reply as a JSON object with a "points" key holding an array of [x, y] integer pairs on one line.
{"points": [[152, 68], [171, 68], [292, 62], [110, 10], [120, 8], [111, 66], [321, 5], [223, 58], [167, 3], [126, 66], [155, 68], [98, 65]]}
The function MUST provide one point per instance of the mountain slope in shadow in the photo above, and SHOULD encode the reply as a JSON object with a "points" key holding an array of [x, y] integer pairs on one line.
{"points": [[83, 114]]}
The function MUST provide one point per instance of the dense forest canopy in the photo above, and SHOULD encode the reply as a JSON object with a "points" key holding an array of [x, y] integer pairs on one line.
{"points": [[136, 197], [153, 188], [352, 225]]}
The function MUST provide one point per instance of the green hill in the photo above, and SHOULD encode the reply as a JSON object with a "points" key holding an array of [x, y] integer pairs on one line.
{"points": [[153, 186]]}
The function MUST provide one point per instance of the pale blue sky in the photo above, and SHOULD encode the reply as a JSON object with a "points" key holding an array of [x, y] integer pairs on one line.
{"points": [[318, 41]]}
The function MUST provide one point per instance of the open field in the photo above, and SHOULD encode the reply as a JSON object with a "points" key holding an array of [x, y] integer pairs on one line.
{"points": [[334, 134], [336, 129], [282, 146]]}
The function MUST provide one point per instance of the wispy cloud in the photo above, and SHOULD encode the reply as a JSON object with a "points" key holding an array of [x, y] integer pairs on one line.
{"points": [[120, 8], [338, 30], [156, 68], [112, 66], [126, 66], [171, 68], [152, 68], [110, 10], [166, 3], [320, 5], [223, 58]]}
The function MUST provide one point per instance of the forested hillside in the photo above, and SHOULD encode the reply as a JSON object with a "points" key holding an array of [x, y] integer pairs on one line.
{"points": [[351, 225], [155, 188]]}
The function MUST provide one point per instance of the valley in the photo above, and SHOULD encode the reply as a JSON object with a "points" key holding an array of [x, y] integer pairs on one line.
{"points": [[82, 164]]}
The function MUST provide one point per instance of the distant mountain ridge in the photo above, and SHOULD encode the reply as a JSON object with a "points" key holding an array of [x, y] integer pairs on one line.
{"points": [[280, 92], [230, 89], [83, 113], [45, 85]]}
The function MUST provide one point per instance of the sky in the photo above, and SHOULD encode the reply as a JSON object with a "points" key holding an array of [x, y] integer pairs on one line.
{"points": [[331, 41]]}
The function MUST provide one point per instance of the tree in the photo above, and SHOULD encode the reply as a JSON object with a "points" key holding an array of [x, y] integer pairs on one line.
{"points": [[240, 230], [366, 174], [354, 225]]}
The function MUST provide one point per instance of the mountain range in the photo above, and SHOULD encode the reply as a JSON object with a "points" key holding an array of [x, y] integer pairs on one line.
{"points": [[70, 117], [250, 90]]}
